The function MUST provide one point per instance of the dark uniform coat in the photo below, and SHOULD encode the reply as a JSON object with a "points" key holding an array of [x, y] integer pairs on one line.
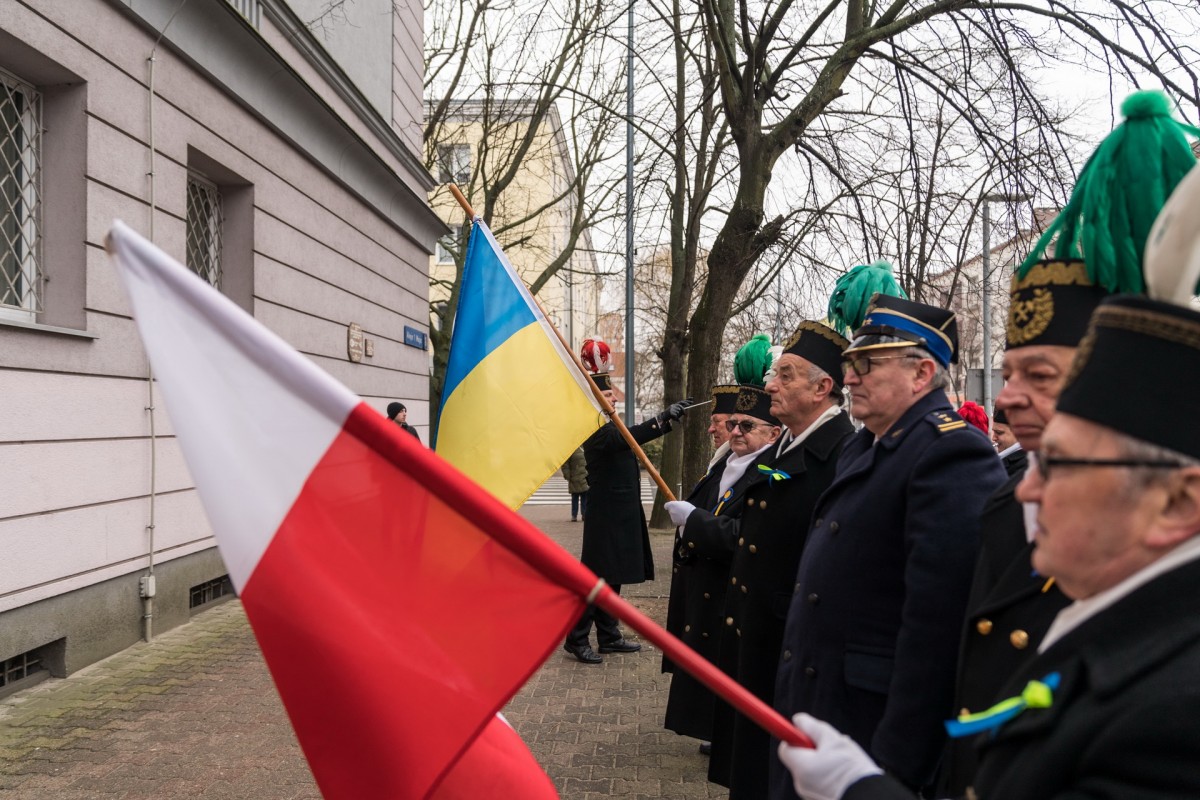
{"points": [[1123, 722], [616, 543], [696, 607], [1008, 612], [876, 618], [766, 542]]}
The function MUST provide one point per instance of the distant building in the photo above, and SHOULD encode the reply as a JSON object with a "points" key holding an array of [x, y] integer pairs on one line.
{"points": [[536, 203], [961, 290], [285, 169]]}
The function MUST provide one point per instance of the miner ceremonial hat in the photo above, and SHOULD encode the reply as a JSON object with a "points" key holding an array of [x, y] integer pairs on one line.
{"points": [[1158, 336], [1101, 234], [602, 381], [1163, 341], [820, 345], [913, 324], [725, 398], [750, 367]]}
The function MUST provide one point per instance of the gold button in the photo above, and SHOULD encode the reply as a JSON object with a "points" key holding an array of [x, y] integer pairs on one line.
{"points": [[1019, 639], [965, 712], [763, 504], [744, 590], [741, 541], [704, 636], [674, 569], [787, 655], [691, 545], [753, 549], [738, 631], [707, 596], [984, 626], [733, 581], [729, 620], [750, 502], [687, 628]]}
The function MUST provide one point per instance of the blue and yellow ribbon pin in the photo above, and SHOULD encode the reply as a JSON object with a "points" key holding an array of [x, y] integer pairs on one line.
{"points": [[1036, 694], [724, 499], [774, 474]]}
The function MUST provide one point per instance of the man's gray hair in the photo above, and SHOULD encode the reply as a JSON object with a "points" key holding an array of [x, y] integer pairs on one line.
{"points": [[1138, 450], [815, 374]]}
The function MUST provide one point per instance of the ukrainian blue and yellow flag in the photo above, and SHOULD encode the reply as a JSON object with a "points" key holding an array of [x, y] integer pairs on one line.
{"points": [[514, 405]]}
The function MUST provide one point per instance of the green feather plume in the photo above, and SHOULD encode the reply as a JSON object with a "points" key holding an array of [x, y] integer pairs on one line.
{"points": [[1119, 193], [751, 363], [853, 292]]}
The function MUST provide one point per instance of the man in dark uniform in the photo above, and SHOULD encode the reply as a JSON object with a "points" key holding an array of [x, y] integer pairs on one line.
{"points": [[875, 620], [805, 394], [1110, 705], [616, 542], [1010, 606], [701, 559]]}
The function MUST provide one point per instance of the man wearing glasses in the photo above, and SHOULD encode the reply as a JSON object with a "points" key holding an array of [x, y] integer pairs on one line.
{"points": [[804, 393], [877, 607], [1010, 606], [1109, 705], [704, 545]]}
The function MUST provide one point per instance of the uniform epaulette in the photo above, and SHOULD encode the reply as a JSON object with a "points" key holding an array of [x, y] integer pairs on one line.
{"points": [[945, 421]]}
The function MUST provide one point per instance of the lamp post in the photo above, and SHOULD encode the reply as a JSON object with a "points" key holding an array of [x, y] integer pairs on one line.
{"points": [[629, 299], [987, 200]]}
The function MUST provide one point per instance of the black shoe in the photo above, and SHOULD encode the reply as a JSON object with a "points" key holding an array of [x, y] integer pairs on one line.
{"points": [[706, 748], [620, 646], [584, 653]]}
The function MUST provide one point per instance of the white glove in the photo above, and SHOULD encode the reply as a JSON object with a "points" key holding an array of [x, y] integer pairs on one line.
{"points": [[826, 772], [679, 510]]}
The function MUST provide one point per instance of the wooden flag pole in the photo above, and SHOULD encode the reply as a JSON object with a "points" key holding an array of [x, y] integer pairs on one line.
{"points": [[599, 395]]}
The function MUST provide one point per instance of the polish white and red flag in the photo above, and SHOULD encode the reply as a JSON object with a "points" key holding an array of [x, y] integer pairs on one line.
{"points": [[397, 605]]}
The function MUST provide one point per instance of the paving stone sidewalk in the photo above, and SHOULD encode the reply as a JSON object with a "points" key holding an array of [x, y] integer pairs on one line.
{"points": [[194, 714]]}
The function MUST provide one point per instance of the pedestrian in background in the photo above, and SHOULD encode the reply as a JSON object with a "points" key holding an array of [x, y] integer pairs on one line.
{"points": [[574, 470]]}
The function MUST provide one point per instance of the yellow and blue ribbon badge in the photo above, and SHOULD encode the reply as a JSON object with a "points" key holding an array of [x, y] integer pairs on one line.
{"points": [[1036, 694], [774, 474], [724, 499]]}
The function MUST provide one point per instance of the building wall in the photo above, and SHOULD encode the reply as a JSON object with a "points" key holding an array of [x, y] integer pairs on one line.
{"points": [[326, 225], [571, 297]]}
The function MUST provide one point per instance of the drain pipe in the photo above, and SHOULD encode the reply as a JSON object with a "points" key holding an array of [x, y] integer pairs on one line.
{"points": [[146, 586]]}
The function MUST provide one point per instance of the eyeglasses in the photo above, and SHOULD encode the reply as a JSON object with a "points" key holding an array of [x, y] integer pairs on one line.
{"points": [[1043, 463], [745, 425], [862, 364]]}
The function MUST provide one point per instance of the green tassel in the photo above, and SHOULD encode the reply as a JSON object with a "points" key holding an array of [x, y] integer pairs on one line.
{"points": [[853, 292], [1120, 192], [751, 363]]}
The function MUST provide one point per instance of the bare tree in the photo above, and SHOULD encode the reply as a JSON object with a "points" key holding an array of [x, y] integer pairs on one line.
{"points": [[526, 87], [837, 83]]}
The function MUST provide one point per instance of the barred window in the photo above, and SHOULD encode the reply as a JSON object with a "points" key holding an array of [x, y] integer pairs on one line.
{"points": [[248, 9], [204, 229], [454, 163], [20, 198]]}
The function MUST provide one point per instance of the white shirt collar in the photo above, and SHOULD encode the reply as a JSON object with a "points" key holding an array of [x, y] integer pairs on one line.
{"points": [[790, 440], [1081, 611], [735, 468]]}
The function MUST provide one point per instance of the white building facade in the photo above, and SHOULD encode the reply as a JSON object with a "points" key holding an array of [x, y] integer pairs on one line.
{"points": [[284, 167]]}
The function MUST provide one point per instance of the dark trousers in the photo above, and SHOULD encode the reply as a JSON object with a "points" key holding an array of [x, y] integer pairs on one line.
{"points": [[578, 504], [607, 629]]}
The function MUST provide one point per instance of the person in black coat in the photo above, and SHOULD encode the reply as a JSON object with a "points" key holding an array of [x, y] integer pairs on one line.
{"points": [[702, 559], [1111, 699], [875, 619], [766, 541], [616, 542], [398, 414], [1011, 606], [1012, 454]]}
